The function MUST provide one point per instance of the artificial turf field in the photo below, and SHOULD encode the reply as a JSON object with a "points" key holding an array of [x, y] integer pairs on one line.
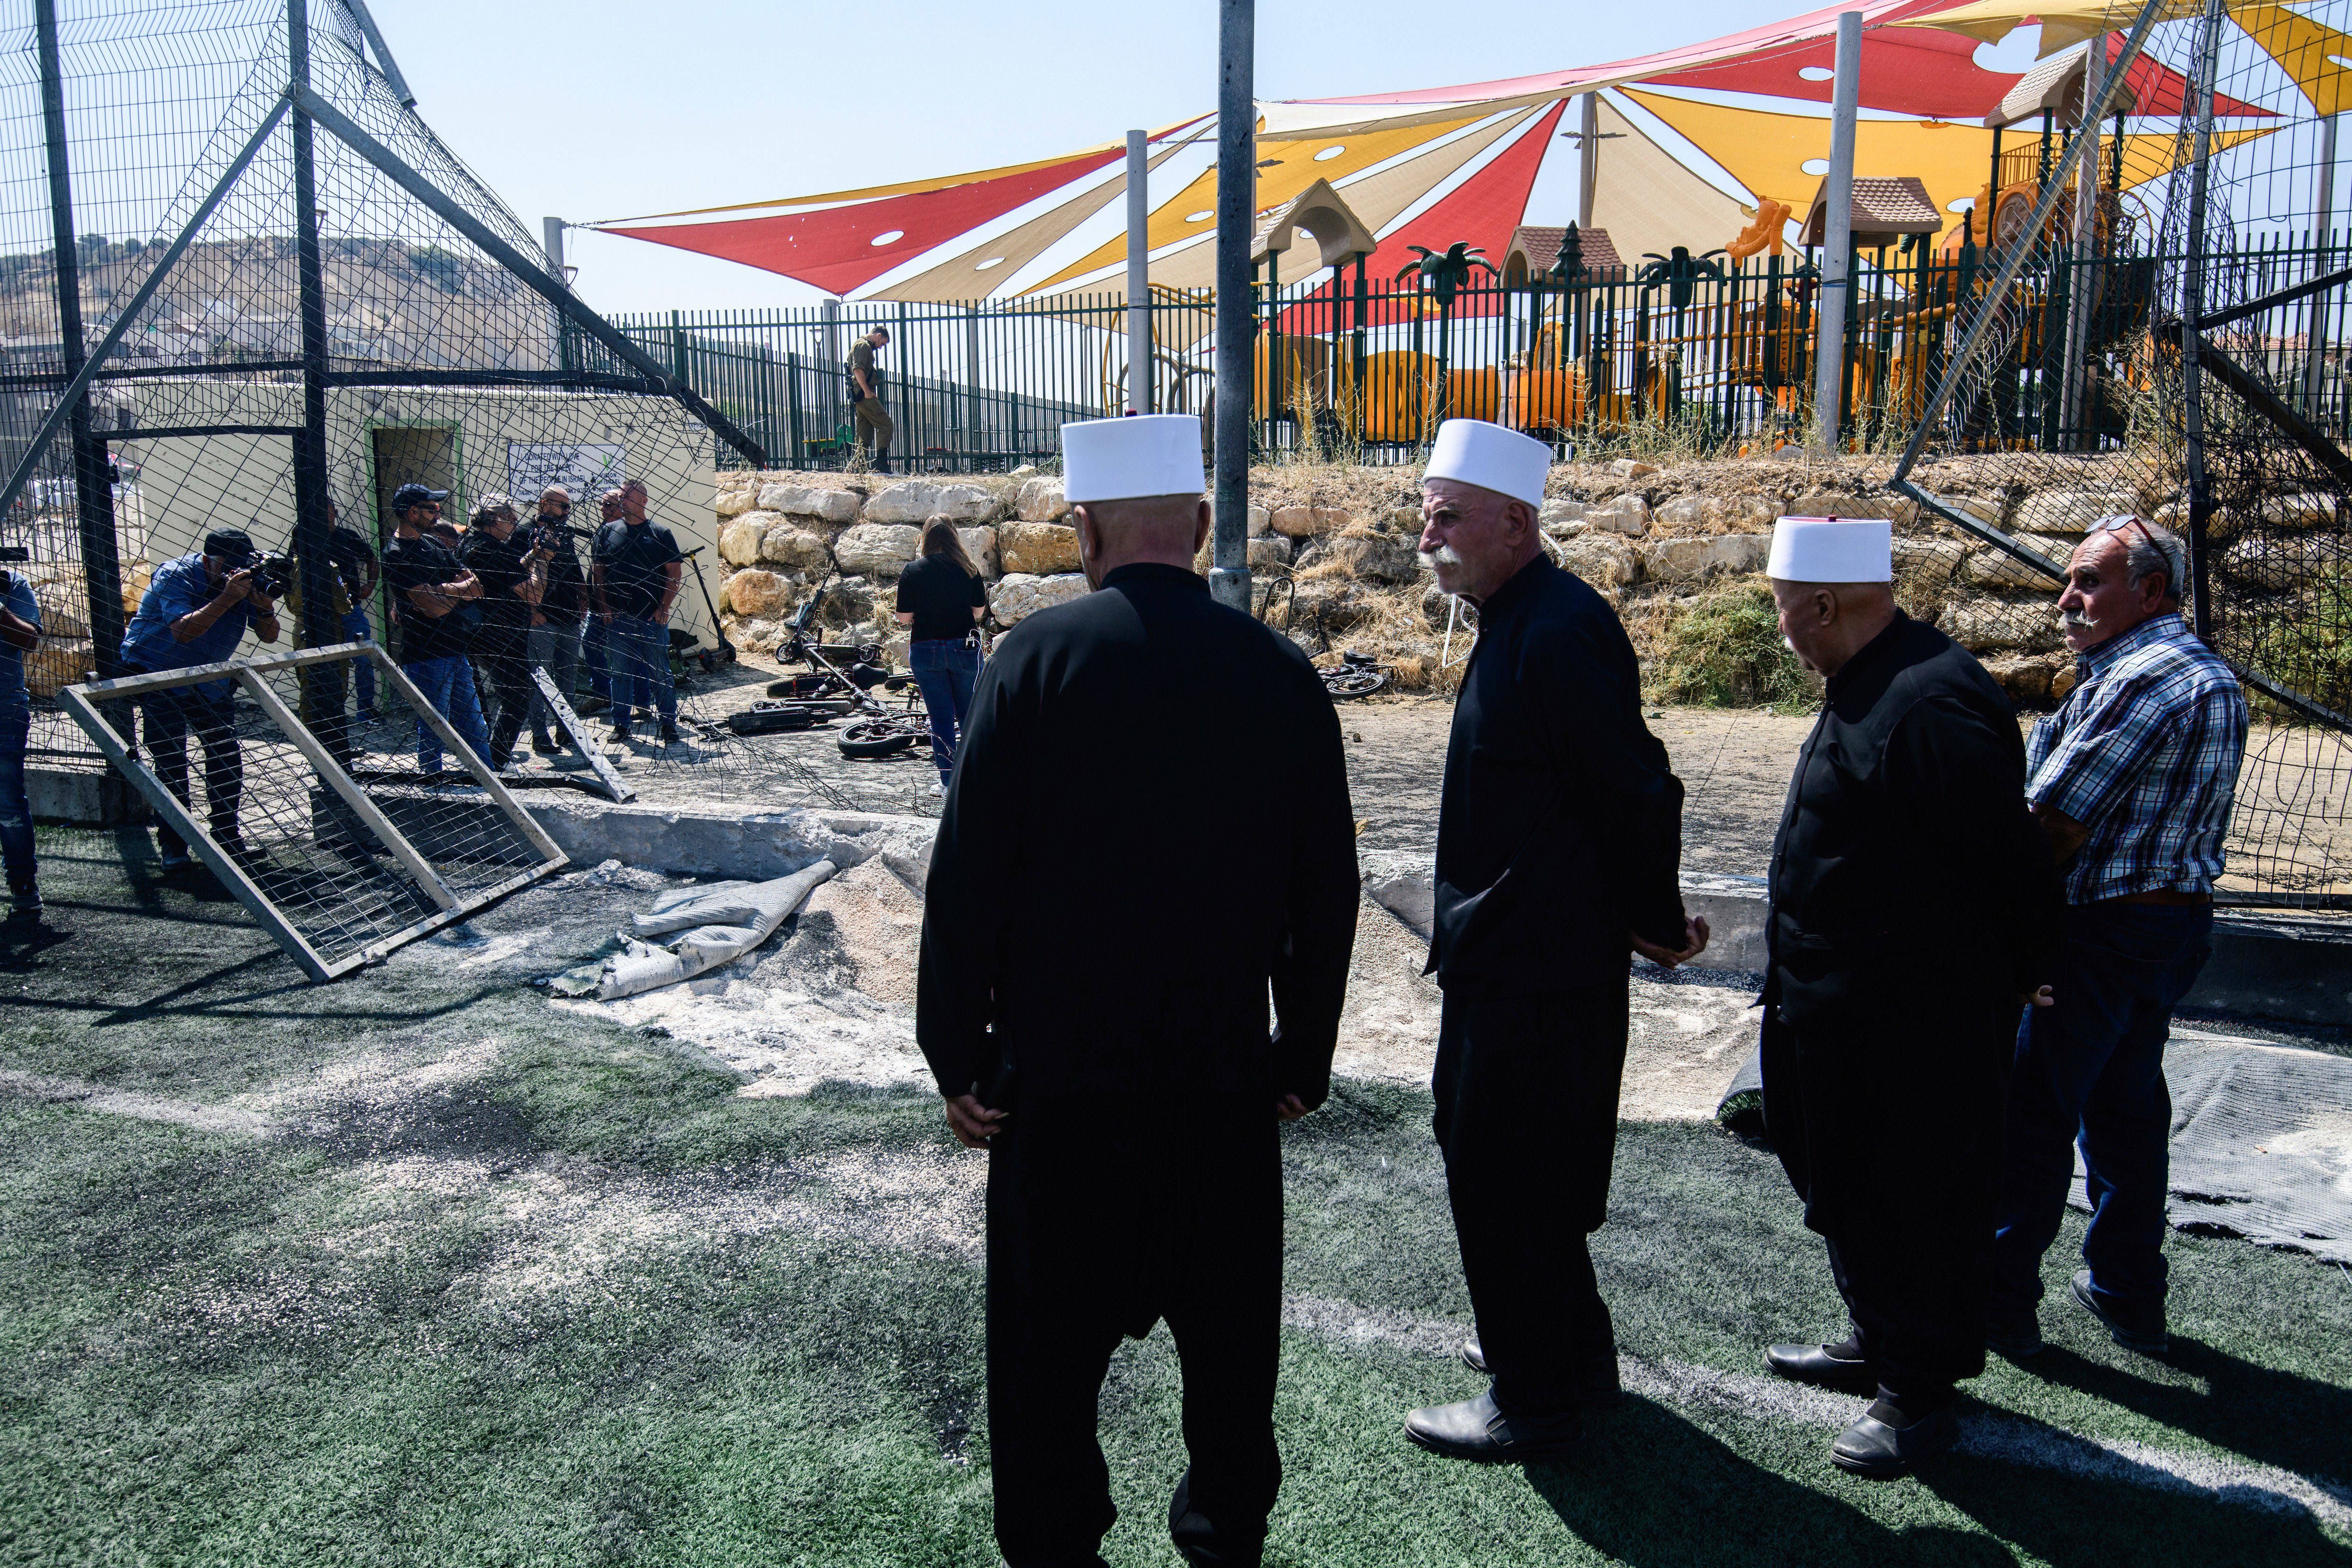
{"points": [[414, 1269]]}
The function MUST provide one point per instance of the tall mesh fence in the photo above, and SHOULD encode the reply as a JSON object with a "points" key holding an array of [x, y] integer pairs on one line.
{"points": [[2064, 394], [293, 296]]}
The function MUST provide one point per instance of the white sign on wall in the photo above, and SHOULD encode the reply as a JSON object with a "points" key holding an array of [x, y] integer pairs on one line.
{"points": [[587, 471]]}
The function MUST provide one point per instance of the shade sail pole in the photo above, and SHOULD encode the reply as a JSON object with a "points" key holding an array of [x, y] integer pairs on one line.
{"points": [[1236, 308], [1138, 274], [1837, 236], [1588, 161]]}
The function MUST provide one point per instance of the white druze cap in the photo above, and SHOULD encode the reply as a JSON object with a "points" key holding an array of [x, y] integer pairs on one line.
{"points": [[1832, 550], [1123, 459], [1491, 458]]}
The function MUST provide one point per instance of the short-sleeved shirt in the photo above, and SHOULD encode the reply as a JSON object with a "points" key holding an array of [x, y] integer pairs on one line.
{"points": [[502, 565], [2145, 753], [941, 596], [425, 563], [567, 585], [180, 588], [861, 357], [633, 556], [23, 603]]}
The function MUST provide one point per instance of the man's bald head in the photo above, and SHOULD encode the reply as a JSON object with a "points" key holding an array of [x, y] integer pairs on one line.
{"points": [[1168, 529], [1826, 624]]}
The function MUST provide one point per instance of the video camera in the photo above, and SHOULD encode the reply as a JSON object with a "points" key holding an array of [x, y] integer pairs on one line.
{"points": [[273, 574]]}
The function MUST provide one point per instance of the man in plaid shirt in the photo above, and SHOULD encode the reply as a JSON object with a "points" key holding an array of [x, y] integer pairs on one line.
{"points": [[2131, 781]]}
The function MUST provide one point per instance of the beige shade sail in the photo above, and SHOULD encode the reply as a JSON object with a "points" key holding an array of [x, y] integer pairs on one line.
{"points": [[1649, 201], [2063, 23], [1376, 200], [1193, 210], [986, 266]]}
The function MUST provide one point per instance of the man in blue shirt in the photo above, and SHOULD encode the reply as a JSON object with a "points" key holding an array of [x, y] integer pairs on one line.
{"points": [[196, 610], [20, 632], [2132, 780]]}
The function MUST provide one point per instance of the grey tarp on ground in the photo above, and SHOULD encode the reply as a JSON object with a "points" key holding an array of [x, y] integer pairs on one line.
{"points": [[2261, 1140], [720, 922]]}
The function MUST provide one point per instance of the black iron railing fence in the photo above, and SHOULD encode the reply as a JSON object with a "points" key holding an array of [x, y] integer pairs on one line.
{"points": [[1365, 368]]}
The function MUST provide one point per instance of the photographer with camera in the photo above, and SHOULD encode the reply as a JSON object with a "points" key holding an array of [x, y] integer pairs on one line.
{"points": [[556, 624], [512, 570], [20, 633], [196, 610], [437, 616]]}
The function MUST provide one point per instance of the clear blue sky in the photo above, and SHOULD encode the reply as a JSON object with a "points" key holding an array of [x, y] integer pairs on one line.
{"points": [[594, 108]]}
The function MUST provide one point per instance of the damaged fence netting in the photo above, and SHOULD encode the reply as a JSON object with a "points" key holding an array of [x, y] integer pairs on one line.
{"points": [[715, 922], [344, 839], [2153, 324]]}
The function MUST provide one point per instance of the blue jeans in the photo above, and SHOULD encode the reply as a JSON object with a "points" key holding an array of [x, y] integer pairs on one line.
{"points": [[592, 657], [356, 628], [639, 651], [2091, 1068], [16, 810], [448, 685], [945, 668]]}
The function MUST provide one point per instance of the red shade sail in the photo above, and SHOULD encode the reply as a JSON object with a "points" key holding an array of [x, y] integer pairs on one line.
{"points": [[840, 248], [1484, 210]]}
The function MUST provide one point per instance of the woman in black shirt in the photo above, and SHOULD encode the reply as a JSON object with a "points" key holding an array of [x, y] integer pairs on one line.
{"points": [[940, 595]]}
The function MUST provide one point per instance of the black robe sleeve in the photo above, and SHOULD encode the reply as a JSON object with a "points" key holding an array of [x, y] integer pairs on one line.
{"points": [[1310, 973], [1587, 695], [979, 835], [1962, 771]]}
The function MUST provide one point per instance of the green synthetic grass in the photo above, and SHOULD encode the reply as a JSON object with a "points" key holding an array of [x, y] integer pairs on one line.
{"points": [[523, 1289]]}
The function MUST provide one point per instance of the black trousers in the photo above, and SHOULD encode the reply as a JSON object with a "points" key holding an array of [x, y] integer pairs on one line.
{"points": [[1102, 1221], [167, 718], [503, 655], [1527, 1117], [1889, 1126]]}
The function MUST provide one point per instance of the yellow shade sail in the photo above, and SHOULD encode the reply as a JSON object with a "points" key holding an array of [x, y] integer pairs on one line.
{"points": [[1767, 151], [1193, 210], [908, 187], [2304, 49]]}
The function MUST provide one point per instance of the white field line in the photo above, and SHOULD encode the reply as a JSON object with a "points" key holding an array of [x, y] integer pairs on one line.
{"points": [[1991, 1435], [129, 1102]]}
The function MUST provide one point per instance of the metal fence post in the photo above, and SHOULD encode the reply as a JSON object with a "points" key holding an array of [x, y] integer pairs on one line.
{"points": [[1236, 295], [2192, 307], [322, 684], [974, 438], [102, 565], [1837, 270], [793, 407]]}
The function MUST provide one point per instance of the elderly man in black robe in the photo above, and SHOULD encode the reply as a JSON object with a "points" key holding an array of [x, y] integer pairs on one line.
{"points": [[1147, 828], [1913, 911], [1558, 842]]}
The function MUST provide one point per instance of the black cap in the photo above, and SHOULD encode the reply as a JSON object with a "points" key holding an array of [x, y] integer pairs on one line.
{"points": [[411, 495], [231, 544]]}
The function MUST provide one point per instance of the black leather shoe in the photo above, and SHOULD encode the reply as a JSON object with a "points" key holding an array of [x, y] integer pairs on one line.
{"points": [[1477, 1429], [1598, 1396], [1870, 1447], [1814, 1365], [2139, 1338]]}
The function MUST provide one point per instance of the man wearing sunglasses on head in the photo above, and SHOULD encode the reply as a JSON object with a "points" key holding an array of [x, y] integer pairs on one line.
{"points": [[2132, 780]]}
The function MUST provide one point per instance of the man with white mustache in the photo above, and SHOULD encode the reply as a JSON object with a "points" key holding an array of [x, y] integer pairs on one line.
{"points": [[2132, 780], [1559, 841], [1913, 909]]}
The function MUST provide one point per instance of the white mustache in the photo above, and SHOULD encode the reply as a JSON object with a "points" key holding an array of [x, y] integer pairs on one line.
{"points": [[1443, 556], [2072, 618]]}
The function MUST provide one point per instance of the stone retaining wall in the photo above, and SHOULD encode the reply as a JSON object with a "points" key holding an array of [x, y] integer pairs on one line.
{"points": [[1649, 537]]}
